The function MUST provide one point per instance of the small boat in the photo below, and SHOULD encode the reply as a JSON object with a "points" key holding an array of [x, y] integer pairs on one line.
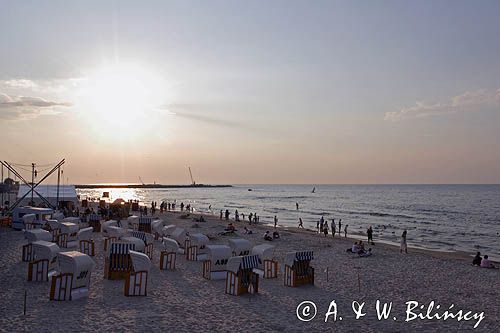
{"points": [[314, 190]]}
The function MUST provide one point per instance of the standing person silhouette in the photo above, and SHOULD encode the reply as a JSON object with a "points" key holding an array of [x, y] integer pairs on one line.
{"points": [[275, 221], [404, 245]]}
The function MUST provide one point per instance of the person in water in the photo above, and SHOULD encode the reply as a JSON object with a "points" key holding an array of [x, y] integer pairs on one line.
{"points": [[297, 205], [477, 259]]}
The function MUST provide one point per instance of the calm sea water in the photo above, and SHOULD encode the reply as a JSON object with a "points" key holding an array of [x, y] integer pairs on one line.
{"points": [[442, 217]]}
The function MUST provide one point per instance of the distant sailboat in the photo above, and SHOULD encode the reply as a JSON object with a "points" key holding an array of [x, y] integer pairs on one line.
{"points": [[314, 190]]}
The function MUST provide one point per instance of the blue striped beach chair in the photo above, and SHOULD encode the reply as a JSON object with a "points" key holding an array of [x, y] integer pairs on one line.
{"points": [[297, 268], [145, 223], [117, 263], [241, 278]]}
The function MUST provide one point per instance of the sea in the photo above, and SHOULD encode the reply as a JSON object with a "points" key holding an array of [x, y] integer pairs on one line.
{"points": [[437, 217]]}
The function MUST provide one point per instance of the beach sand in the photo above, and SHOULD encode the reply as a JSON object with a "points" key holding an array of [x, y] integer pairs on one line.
{"points": [[182, 300]]}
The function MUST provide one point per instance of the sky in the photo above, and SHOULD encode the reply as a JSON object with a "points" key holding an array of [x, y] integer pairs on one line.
{"points": [[338, 92]]}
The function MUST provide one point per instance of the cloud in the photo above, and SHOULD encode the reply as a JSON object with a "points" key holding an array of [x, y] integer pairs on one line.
{"points": [[467, 102], [25, 107], [19, 83]]}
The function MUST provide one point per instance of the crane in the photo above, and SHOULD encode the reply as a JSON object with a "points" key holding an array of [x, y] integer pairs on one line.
{"points": [[191, 175], [141, 181]]}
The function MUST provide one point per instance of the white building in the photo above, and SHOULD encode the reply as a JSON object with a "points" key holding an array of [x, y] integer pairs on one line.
{"points": [[67, 193]]}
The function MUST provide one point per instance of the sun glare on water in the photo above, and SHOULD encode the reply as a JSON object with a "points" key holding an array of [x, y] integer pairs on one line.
{"points": [[120, 96]]}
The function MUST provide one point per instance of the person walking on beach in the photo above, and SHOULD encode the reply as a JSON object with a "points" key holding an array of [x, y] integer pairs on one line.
{"points": [[321, 223], [340, 227], [227, 214], [334, 228], [182, 206], [221, 214], [236, 216], [404, 246], [300, 223], [317, 226], [275, 221], [325, 228], [345, 231], [369, 233]]}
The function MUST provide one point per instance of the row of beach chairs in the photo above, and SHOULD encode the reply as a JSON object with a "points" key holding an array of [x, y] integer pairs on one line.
{"points": [[128, 247]]}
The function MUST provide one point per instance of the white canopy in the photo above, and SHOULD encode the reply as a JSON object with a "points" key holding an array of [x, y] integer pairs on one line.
{"points": [[179, 234], [79, 264], [37, 235], [157, 226], [168, 229], [139, 243], [170, 245], [198, 239], [218, 255], [69, 228], [54, 224], [140, 261], [85, 233], [264, 251], [72, 219], [45, 250], [240, 246]]}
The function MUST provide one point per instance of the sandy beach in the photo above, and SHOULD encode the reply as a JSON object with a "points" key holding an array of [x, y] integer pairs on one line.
{"points": [[182, 300]]}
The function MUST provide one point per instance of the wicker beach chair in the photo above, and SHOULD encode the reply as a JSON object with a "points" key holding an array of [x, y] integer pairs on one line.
{"points": [[297, 268], [268, 266], [214, 267], [136, 282], [241, 278]]}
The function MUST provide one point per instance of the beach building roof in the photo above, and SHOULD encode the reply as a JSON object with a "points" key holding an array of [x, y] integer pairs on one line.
{"points": [[49, 192]]}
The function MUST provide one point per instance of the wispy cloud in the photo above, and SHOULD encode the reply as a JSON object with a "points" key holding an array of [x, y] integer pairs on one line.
{"points": [[467, 102], [26, 107]]}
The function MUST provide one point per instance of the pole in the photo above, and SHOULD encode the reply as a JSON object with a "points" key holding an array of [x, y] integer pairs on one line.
{"points": [[58, 181], [25, 296], [32, 182]]}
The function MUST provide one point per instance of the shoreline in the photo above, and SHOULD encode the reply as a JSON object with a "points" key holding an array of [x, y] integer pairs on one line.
{"points": [[436, 253]]}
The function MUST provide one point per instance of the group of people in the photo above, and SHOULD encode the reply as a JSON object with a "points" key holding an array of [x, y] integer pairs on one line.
{"points": [[482, 262], [268, 237], [252, 217], [322, 227], [359, 249]]}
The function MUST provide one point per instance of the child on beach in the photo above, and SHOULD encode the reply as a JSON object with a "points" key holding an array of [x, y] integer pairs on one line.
{"points": [[267, 236], [486, 263]]}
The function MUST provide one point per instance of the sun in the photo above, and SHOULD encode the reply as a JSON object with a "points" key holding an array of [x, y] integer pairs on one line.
{"points": [[121, 95]]}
